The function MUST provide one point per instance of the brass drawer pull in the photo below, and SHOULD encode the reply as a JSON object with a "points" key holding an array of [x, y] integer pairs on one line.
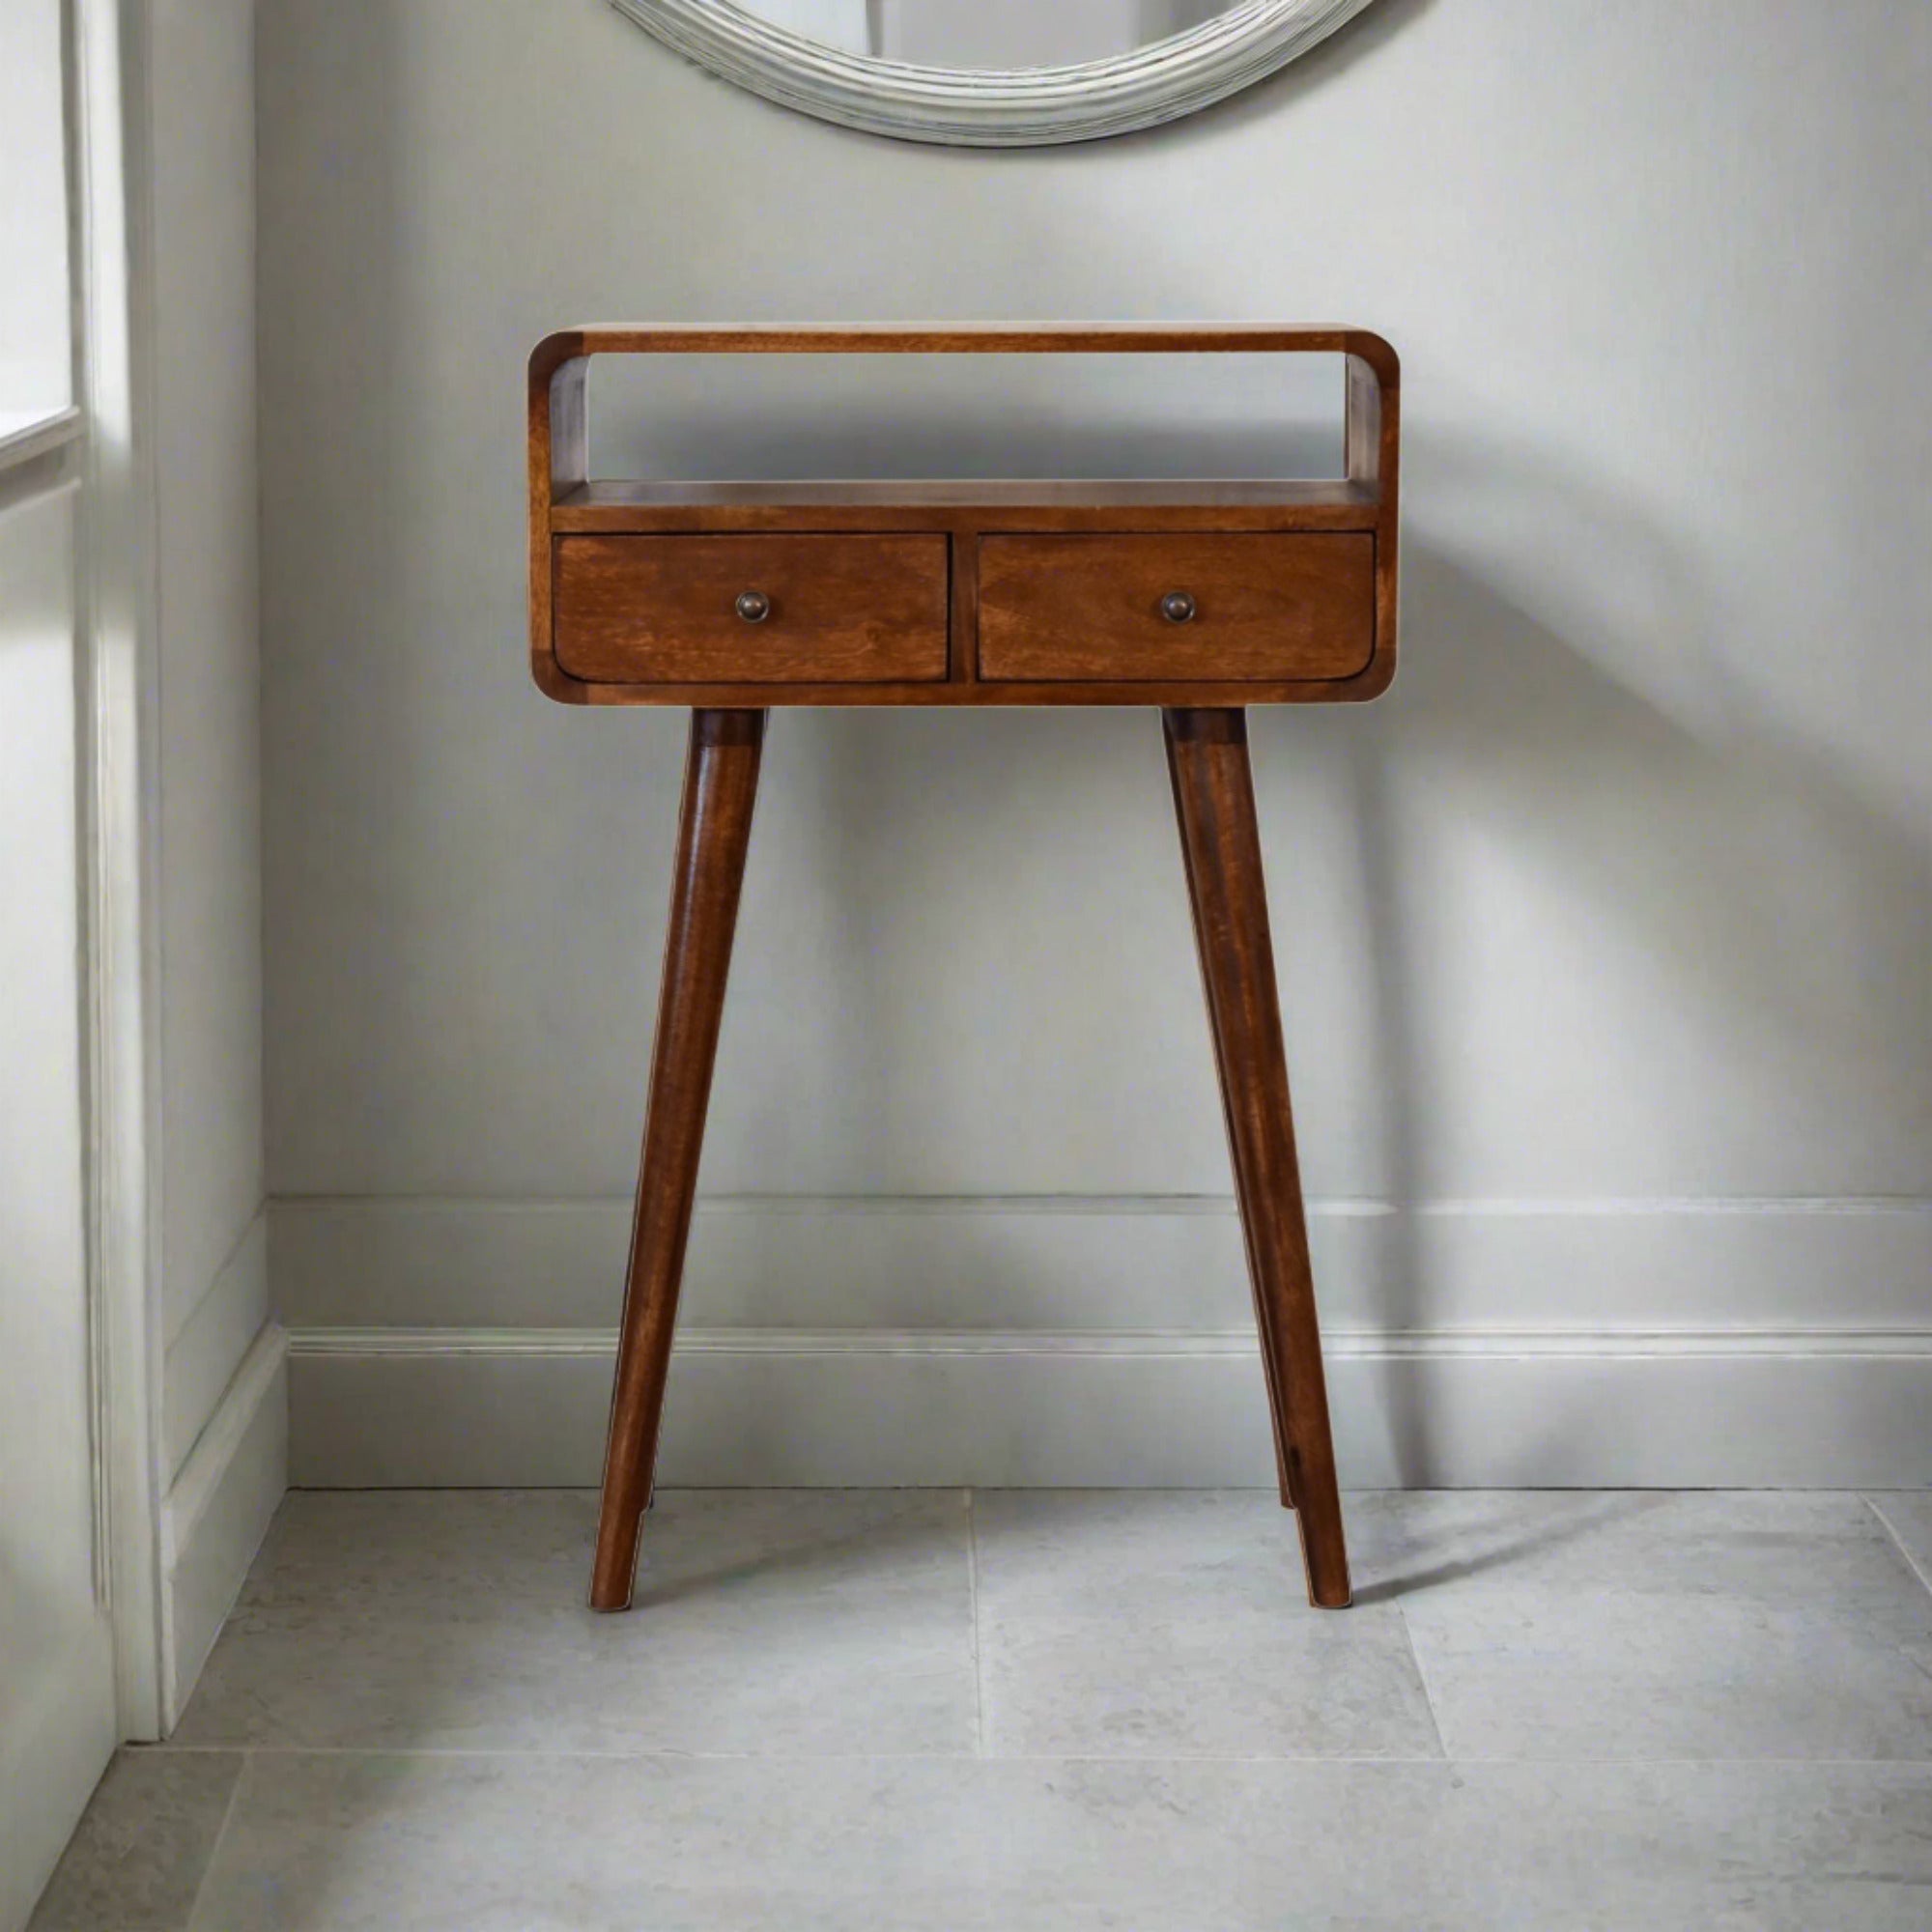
{"points": [[1177, 607], [753, 606]]}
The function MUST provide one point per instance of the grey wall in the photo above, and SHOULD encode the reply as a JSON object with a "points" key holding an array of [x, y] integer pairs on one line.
{"points": [[1615, 914], [224, 1430], [209, 683]]}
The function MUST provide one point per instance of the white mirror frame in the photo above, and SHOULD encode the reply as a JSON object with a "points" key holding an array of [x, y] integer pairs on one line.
{"points": [[1017, 108]]}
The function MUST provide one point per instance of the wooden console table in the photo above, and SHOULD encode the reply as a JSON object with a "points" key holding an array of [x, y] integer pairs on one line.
{"points": [[1201, 598]]}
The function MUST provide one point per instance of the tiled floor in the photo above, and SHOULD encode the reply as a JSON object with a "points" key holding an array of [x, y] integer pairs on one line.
{"points": [[1044, 1711]]}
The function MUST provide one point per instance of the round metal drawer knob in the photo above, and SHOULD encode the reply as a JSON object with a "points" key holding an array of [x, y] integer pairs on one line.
{"points": [[1178, 607], [753, 606]]}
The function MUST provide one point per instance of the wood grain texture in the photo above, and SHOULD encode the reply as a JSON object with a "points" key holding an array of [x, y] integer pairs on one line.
{"points": [[1128, 338], [975, 693], [1089, 607], [661, 608], [1214, 803], [1015, 503], [721, 785], [566, 502]]}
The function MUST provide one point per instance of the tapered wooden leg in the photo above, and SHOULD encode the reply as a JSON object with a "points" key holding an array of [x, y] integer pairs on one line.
{"points": [[721, 785], [1226, 1080], [1214, 802]]}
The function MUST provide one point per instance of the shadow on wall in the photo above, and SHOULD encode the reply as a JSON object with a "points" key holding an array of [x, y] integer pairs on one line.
{"points": [[1705, 845], [1565, 714]]}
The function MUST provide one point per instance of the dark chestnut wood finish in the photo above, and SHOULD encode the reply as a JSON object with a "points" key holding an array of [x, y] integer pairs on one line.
{"points": [[834, 609], [1223, 609], [721, 785], [1201, 598], [566, 501], [1220, 841]]}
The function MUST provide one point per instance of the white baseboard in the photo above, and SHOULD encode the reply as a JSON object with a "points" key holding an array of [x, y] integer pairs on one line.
{"points": [[218, 1510], [1110, 1264], [1610, 1408], [202, 1358], [1109, 1341]]}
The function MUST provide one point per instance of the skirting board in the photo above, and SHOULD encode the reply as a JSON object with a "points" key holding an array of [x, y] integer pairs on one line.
{"points": [[212, 1343], [1669, 1408], [1106, 1340], [218, 1510], [1111, 1264]]}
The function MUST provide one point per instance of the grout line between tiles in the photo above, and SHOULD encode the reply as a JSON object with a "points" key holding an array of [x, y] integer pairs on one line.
{"points": [[979, 1658], [1898, 1541], [1917, 1767], [193, 1918], [1422, 1678]]}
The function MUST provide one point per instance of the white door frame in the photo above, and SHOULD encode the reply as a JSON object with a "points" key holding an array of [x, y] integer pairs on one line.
{"points": [[118, 602]]}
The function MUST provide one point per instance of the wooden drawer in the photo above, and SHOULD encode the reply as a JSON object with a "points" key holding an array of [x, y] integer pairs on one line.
{"points": [[1264, 605], [663, 609]]}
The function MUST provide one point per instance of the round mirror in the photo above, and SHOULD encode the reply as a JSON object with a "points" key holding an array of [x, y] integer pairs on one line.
{"points": [[992, 73]]}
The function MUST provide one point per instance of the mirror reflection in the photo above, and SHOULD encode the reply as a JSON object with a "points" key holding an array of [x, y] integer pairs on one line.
{"points": [[985, 34]]}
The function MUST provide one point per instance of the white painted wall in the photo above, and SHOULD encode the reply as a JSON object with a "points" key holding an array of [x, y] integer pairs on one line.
{"points": [[57, 1716], [1603, 938], [225, 1464]]}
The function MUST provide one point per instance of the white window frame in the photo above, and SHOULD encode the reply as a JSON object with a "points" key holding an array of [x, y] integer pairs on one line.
{"points": [[26, 441], [99, 447]]}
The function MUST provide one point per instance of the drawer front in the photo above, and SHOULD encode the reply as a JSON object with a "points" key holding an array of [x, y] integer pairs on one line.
{"points": [[1251, 607], [668, 609]]}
